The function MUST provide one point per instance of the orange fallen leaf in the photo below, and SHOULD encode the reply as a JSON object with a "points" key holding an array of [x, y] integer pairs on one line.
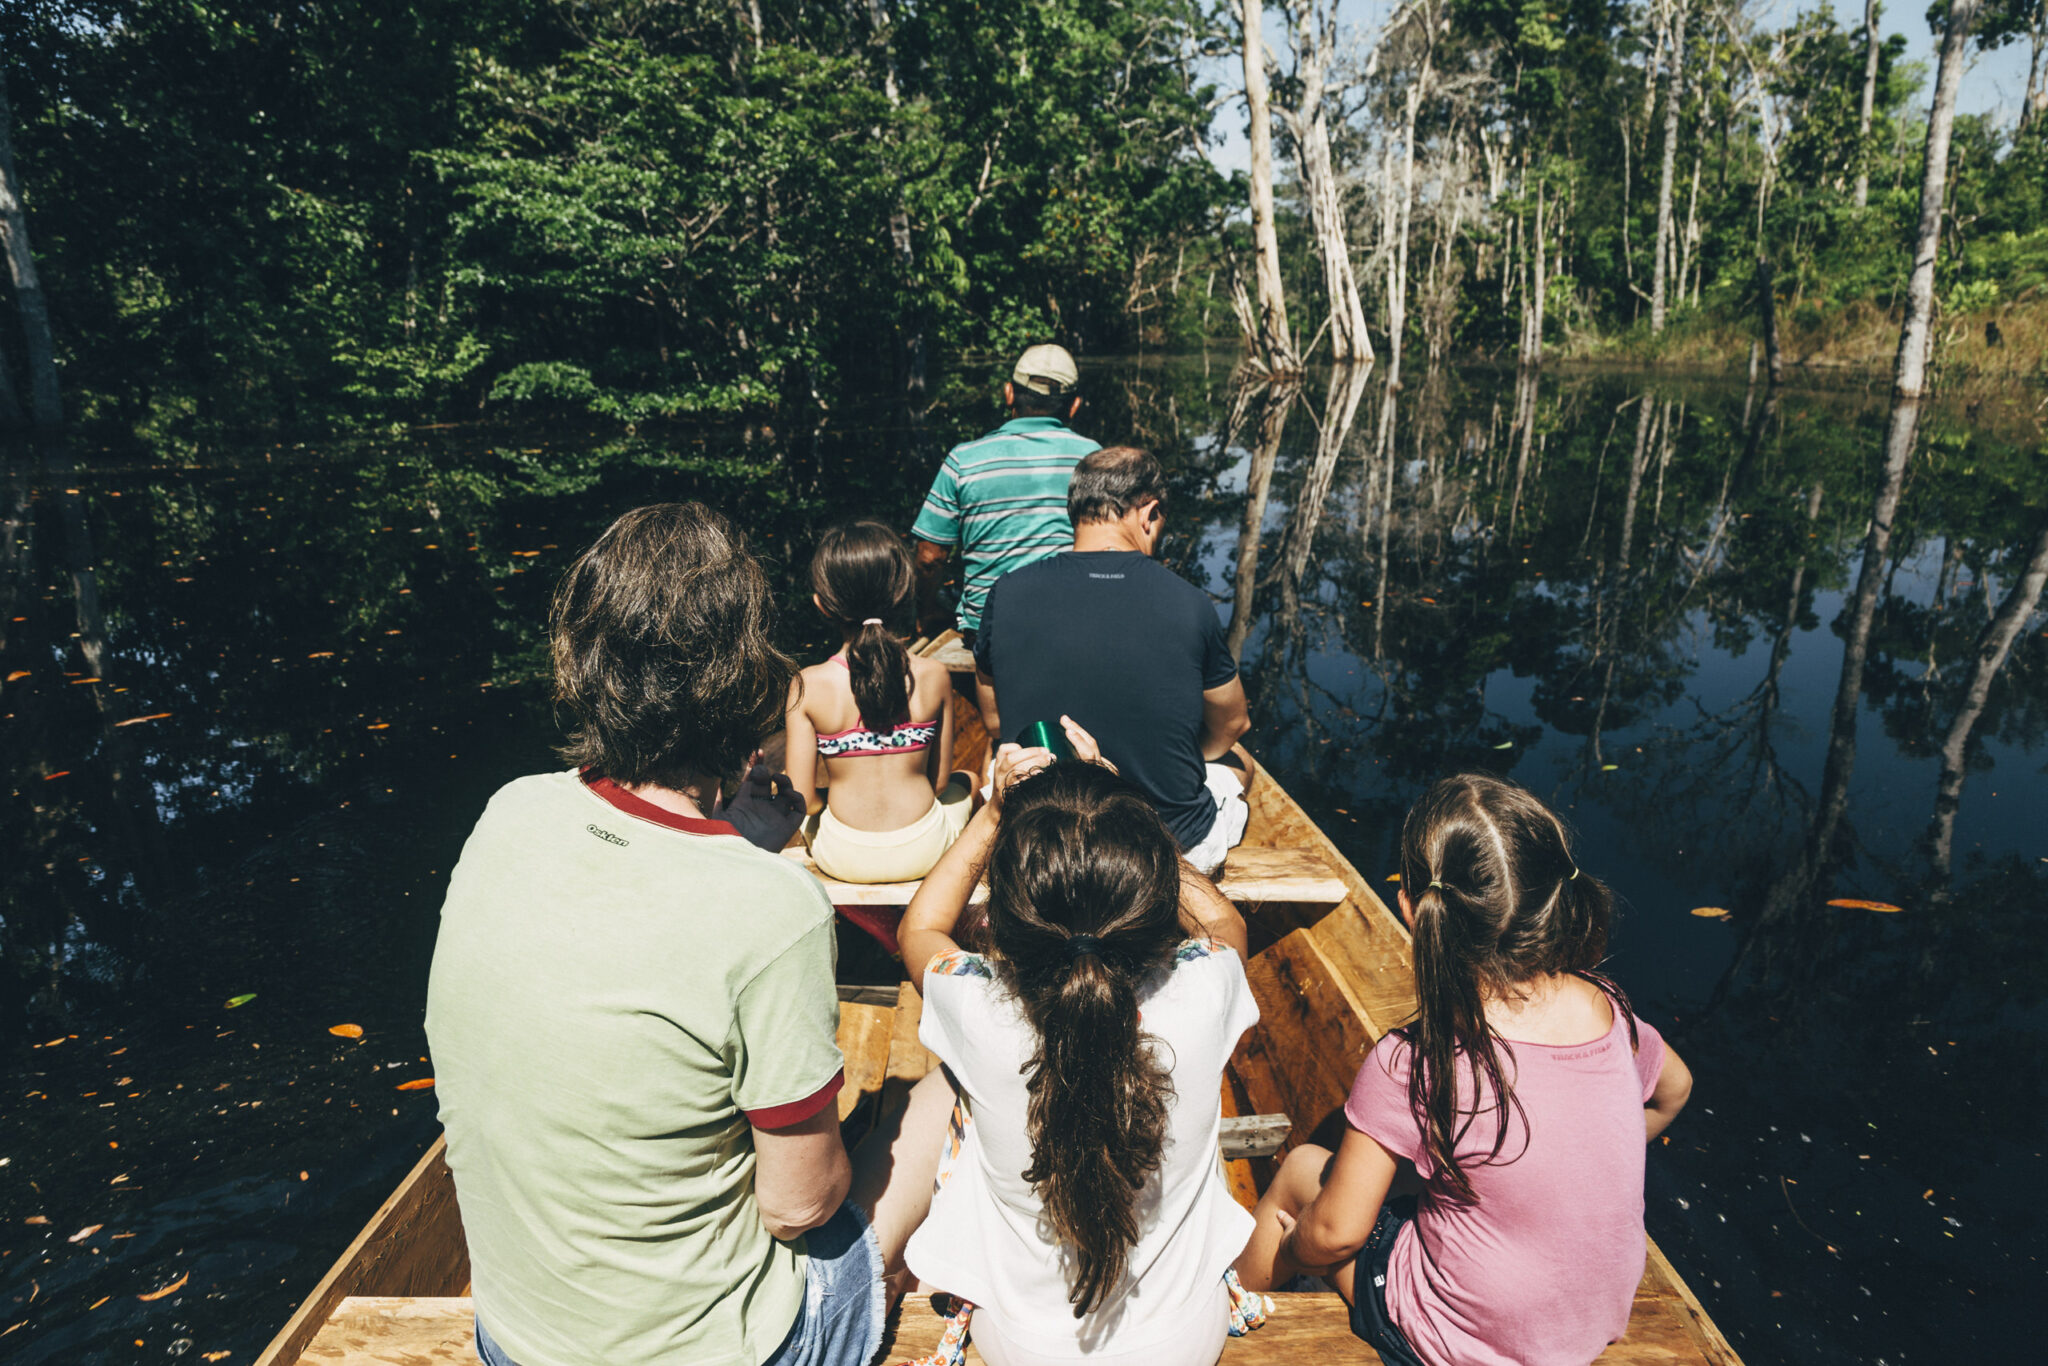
{"points": [[85, 1233], [138, 720], [346, 1031], [1395, 878], [1927, 1194], [1430, 601], [170, 1289], [321, 654], [76, 681], [1711, 913], [381, 725], [416, 1084], [53, 777], [98, 1302], [17, 674], [1852, 904], [215, 1356], [37, 1219]]}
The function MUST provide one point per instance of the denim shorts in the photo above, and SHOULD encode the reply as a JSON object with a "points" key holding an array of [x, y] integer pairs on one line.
{"points": [[1369, 1318], [844, 1310]]}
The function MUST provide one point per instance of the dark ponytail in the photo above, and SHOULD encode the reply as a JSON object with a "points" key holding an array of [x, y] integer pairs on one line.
{"points": [[1498, 901], [1084, 905], [864, 580]]}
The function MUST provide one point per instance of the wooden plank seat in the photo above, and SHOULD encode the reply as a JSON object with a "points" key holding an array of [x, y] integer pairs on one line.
{"points": [[384, 1331], [1252, 876]]}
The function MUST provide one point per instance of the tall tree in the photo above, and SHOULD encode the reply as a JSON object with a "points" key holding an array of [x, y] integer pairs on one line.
{"points": [[1273, 342], [1674, 95], [44, 401], [1871, 47], [1909, 372], [1313, 36]]}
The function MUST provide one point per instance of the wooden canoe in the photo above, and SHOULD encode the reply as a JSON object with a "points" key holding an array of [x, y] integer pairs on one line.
{"points": [[1330, 967]]}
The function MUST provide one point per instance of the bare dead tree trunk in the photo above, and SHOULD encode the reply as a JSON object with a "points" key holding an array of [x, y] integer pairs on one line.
{"points": [[1674, 95], [1767, 299], [1689, 239], [1909, 375], [1273, 343], [1869, 102], [44, 401], [1539, 286], [1314, 38], [1417, 92]]}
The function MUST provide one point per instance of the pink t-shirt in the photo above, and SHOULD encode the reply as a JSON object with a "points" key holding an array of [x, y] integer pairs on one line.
{"points": [[1542, 1269]]}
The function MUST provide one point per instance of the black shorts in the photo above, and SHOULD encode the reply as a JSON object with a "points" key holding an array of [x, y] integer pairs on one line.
{"points": [[1369, 1318]]}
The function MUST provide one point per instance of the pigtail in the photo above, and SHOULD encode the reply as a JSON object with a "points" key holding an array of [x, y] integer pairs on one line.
{"points": [[863, 577], [878, 668]]}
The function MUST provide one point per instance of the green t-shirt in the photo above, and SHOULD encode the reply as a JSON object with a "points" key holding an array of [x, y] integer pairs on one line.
{"points": [[615, 994], [1003, 501]]}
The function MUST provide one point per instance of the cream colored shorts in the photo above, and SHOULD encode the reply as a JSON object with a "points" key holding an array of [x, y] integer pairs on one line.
{"points": [[901, 855]]}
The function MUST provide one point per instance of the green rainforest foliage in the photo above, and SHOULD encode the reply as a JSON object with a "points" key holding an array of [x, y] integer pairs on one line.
{"points": [[291, 213]]}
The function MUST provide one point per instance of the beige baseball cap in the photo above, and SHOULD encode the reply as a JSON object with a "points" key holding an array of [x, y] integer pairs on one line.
{"points": [[1046, 369]]}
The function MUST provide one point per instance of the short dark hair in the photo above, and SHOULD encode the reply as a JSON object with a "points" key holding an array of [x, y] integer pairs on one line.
{"points": [[1111, 481], [1031, 403], [662, 638]]}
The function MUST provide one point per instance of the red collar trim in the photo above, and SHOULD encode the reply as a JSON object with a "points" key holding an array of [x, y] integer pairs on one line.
{"points": [[634, 805]]}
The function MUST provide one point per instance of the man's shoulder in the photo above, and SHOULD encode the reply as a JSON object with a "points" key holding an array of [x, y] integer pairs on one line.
{"points": [[1003, 441]]}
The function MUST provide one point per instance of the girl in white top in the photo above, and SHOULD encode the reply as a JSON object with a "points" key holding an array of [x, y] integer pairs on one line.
{"points": [[1083, 1211]]}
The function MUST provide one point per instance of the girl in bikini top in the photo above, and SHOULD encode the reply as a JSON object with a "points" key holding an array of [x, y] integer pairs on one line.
{"points": [[881, 777]]}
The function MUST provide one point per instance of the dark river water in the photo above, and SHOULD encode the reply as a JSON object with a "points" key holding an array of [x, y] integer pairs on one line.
{"points": [[254, 696]]}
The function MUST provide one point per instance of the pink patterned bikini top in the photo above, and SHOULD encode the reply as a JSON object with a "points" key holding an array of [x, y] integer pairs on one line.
{"points": [[859, 742]]}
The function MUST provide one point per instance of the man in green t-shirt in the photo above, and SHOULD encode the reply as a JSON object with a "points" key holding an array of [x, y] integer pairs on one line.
{"points": [[633, 1015], [1002, 499]]}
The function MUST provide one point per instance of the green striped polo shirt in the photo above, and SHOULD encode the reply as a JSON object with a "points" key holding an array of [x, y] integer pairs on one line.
{"points": [[1003, 501]]}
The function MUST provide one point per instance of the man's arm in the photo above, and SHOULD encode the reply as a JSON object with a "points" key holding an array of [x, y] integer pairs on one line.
{"points": [[801, 1173], [1225, 717], [931, 570]]}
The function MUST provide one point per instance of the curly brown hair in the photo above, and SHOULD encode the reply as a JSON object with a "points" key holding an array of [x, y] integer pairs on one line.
{"points": [[664, 659]]}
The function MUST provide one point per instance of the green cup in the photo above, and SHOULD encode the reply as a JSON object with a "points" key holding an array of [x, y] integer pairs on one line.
{"points": [[1046, 735]]}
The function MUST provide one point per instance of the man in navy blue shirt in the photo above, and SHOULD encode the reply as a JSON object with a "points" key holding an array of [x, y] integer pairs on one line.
{"points": [[1131, 651]]}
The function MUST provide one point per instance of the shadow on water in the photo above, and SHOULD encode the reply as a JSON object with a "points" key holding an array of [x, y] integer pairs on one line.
{"points": [[1765, 652]]}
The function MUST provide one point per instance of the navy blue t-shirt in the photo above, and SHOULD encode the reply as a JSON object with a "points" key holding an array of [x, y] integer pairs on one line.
{"points": [[1126, 647]]}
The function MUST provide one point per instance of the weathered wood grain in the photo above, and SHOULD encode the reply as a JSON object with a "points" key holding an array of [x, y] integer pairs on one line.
{"points": [[412, 1246]]}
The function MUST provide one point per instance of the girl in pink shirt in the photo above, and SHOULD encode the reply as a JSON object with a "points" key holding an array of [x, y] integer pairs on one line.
{"points": [[1517, 1103]]}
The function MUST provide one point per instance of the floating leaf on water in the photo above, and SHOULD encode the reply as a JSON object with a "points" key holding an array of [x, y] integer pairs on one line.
{"points": [[1711, 913], [17, 674], [1505, 744], [215, 1356], [1430, 601], [170, 1289], [416, 1084], [1395, 878], [37, 1219], [241, 1000], [138, 720], [381, 725], [1609, 768], [346, 1031], [85, 1233], [98, 1302], [321, 654], [1927, 1194], [1849, 903]]}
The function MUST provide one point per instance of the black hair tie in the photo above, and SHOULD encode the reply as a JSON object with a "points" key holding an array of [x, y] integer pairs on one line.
{"points": [[1078, 944]]}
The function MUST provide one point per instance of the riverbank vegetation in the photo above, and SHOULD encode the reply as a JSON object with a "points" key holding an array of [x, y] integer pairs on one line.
{"points": [[238, 213]]}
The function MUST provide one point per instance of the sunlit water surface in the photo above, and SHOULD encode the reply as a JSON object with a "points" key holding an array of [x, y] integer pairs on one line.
{"points": [[254, 696]]}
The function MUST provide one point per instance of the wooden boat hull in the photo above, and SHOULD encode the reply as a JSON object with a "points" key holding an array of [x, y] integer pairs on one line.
{"points": [[1329, 982]]}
